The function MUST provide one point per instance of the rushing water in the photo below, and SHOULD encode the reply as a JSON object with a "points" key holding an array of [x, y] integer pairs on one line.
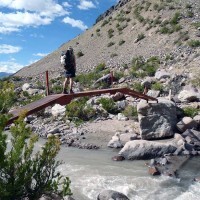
{"points": [[92, 171]]}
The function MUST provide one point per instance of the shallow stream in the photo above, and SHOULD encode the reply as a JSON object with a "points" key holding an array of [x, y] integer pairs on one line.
{"points": [[92, 171]]}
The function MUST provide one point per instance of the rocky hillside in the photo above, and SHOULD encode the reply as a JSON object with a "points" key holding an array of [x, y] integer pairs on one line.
{"points": [[168, 29]]}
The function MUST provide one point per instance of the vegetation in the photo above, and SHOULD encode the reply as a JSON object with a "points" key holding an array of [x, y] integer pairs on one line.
{"points": [[28, 174], [110, 44], [7, 96], [108, 105], [78, 111], [25, 173], [130, 111], [141, 67], [121, 42], [194, 43], [190, 111], [79, 54]]}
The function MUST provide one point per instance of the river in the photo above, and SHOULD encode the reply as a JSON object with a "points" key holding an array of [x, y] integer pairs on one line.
{"points": [[92, 171]]}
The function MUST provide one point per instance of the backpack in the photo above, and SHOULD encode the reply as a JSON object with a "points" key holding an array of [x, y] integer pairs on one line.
{"points": [[67, 59]]}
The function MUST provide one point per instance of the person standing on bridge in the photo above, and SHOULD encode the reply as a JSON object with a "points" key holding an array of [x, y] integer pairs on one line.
{"points": [[68, 61]]}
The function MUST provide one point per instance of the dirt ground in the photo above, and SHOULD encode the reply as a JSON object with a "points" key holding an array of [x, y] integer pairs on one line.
{"points": [[101, 132]]}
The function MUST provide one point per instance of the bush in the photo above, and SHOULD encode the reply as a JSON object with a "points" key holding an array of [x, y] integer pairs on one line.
{"points": [[78, 112], [100, 67], [121, 42], [157, 86], [190, 111], [108, 105], [80, 54], [130, 111], [24, 173], [7, 96], [140, 36], [194, 43], [113, 55], [110, 44]]}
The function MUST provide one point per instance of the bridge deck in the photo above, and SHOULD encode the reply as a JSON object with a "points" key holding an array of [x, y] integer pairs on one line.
{"points": [[64, 99]]}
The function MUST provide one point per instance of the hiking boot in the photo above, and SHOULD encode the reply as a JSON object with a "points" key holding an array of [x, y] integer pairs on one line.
{"points": [[71, 91], [65, 91]]}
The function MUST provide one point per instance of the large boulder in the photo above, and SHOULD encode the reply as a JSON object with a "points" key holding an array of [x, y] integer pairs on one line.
{"points": [[111, 195], [144, 150], [157, 120], [58, 110]]}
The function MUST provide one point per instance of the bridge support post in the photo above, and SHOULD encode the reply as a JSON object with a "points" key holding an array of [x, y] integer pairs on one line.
{"points": [[47, 83], [111, 75]]}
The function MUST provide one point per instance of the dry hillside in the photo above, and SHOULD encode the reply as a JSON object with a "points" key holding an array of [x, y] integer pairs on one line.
{"points": [[169, 29]]}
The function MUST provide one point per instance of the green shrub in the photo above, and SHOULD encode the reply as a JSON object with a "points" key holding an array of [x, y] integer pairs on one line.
{"points": [[113, 55], [196, 80], [194, 43], [97, 30], [100, 67], [57, 89], [110, 33], [104, 23], [190, 111], [80, 54], [140, 36], [25, 173], [175, 19], [137, 87], [7, 96], [77, 110], [196, 25], [130, 112], [157, 86], [121, 42], [190, 14], [110, 44], [108, 105]]}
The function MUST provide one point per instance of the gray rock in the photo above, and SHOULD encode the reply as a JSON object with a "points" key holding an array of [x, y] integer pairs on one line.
{"points": [[157, 120], [142, 149], [111, 195], [186, 123], [162, 74]]}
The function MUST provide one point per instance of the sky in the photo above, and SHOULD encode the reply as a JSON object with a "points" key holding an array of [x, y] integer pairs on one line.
{"points": [[31, 29]]}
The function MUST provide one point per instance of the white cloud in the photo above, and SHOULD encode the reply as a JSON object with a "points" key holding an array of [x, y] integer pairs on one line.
{"points": [[66, 4], [28, 13], [40, 54], [75, 23], [86, 5], [10, 67], [8, 49]]}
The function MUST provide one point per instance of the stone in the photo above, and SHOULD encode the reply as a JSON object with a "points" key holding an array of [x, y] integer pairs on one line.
{"points": [[118, 158], [125, 137], [186, 123], [157, 120], [122, 117], [111, 195], [197, 119], [115, 141], [26, 86], [189, 94], [117, 96], [153, 171], [57, 110], [143, 149], [162, 74]]}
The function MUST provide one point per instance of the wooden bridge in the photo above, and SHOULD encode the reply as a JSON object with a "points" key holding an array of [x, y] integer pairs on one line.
{"points": [[64, 99]]}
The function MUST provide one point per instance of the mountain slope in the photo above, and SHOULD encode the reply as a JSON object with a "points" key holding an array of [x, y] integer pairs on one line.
{"points": [[164, 28]]}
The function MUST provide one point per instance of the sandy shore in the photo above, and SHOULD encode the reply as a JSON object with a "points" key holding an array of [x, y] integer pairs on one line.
{"points": [[100, 132]]}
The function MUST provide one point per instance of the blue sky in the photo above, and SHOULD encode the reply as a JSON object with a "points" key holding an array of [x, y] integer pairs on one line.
{"points": [[31, 29]]}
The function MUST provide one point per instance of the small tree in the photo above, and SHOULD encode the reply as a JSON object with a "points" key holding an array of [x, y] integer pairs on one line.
{"points": [[28, 174]]}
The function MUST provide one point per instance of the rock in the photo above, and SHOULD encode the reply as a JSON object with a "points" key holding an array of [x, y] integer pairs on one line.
{"points": [[153, 171], [118, 158], [122, 117], [197, 119], [197, 179], [142, 149], [186, 123], [162, 74], [115, 141], [26, 86], [117, 96], [111, 194], [125, 137], [189, 94], [157, 120], [153, 93], [57, 110]]}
